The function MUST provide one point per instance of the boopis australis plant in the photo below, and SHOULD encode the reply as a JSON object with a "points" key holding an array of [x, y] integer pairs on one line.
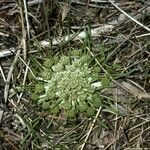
{"points": [[70, 86]]}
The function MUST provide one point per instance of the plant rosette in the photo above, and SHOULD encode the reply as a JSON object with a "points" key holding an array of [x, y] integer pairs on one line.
{"points": [[70, 86]]}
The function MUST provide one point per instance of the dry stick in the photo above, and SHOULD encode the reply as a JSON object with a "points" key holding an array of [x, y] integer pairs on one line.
{"points": [[93, 123], [24, 44], [128, 131], [26, 18], [115, 140], [28, 68], [1, 114], [111, 143], [136, 136], [148, 128], [148, 121], [122, 11], [140, 117], [35, 2], [4, 78], [2, 72], [91, 5], [116, 123], [13, 4], [69, 132], [143, 35], [76, 36], [6, 90], [47, 24], [24, 80], [10, 143], [7, 52]]}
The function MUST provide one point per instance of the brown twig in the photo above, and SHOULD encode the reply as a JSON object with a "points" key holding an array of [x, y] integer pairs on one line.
{"points": [[90, 130], [24, 34], [122, 11]]}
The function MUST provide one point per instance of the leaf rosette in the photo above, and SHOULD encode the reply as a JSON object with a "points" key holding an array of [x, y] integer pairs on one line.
{"points": [[70, 86]]}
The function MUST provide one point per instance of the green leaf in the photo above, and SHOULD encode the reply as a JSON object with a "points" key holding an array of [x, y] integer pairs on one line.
{"points": [[46, 105], [48, 63], [70, 113], [96, 102], [67, 105], [82, 107], [46, 74], [90, 111], [62, 147], [96, 69], [105, 81], [111, 110], [75, 53], [56, 59], [39, 88], [55, 110], [34, 96], [65, 60]]}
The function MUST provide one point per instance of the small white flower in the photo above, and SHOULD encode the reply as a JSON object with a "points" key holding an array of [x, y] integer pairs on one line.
{"points": [[89, 79], [46, 87], [73, 103], [57, 93], [42, 96], [97, 84]]}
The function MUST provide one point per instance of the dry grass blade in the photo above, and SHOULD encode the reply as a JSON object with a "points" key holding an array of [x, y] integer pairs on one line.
{"points": [[24, 80], [24, 34], [135, 91], [7, 82], [6, 91], [64, 10], [90, 130], [137, 22]]}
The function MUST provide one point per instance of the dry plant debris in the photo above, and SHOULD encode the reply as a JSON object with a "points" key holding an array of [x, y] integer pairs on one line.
{"points": [[115, 34]]}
